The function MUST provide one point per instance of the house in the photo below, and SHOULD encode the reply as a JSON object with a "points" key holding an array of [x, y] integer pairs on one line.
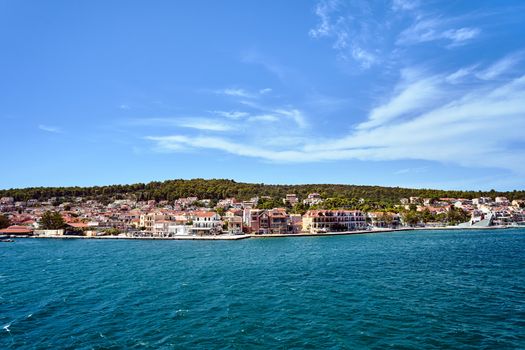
{"points": [[519, 217], [160, 228], [415, 200], [404, 201], [7, 200], [313, 199], [148, 220], [176, 229], [234, 221], [296, 223], [482, 200], [17, 230], [502, 200], [291, 198]]}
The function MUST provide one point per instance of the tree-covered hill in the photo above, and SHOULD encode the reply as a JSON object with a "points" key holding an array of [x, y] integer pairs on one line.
{"points": [[222, 188]]}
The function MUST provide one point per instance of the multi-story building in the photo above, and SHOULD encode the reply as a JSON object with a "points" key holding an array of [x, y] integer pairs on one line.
{"points": [[258, 221], [316, 221], [148, 220], [206, 223], [269, 221], [502, 200], [482, 200], [296, 223], [234, 221], [278, 221]]}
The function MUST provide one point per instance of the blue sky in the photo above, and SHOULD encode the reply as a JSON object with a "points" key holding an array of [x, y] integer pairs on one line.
{"points": [[398, 93]]}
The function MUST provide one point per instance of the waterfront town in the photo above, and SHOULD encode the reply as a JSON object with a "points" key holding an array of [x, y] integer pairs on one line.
{"points": [[200, 217]]}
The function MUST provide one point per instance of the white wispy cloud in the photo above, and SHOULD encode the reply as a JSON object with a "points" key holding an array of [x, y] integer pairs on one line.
{"points": [[323, 10], [462, 34], [242, 93], [502, 66], [296, 115], [351, 38], [288, 112], [427, 29], [461, 74], [204, 124], [475, 127], [272, 115], [413, 94], [416, 170], [231, 114], [263, 118], [370, 35], [431, 26], [269, 63], [208, 124], [48, 128], [235, 92], [404, 5]]}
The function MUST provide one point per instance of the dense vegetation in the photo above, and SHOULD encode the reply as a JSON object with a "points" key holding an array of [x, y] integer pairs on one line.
{"points": [[4, 221], [453, 216], [217, 189], [52, 220]]}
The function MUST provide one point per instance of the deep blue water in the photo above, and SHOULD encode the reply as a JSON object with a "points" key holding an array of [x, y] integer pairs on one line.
{"points": [[405, 290]]}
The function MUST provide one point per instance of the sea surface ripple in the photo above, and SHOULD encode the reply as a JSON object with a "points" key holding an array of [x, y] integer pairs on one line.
{"points": [[404, 290]]}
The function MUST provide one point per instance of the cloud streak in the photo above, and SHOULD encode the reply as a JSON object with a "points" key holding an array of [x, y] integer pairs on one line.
{"points": [[432, 29], [51, 129], [500, 67], [235, 92], [207, 124]]}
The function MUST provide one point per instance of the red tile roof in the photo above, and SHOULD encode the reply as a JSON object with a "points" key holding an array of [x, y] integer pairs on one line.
{"points": [[17, 230], [205, 214], [78, 224]]}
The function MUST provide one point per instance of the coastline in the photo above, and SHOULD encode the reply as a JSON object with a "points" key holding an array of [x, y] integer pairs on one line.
{"points": [[247, 236]]}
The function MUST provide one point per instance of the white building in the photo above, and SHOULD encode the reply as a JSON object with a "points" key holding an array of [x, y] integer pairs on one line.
{"points": [[167, 228], [206, 223], [313, 199]]}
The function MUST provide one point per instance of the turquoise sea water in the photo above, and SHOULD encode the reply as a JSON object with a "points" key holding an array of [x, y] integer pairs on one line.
{"points": [[405, 290]]}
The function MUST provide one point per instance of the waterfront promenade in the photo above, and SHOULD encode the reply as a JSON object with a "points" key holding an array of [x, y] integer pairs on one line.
{"points": [[225, 237]]}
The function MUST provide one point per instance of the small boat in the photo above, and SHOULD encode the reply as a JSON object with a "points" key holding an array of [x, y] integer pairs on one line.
{"points": [[7, 240]]}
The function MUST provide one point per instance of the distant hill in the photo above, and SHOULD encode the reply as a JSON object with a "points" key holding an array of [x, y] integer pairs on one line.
{"points": [[221, 188]]}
